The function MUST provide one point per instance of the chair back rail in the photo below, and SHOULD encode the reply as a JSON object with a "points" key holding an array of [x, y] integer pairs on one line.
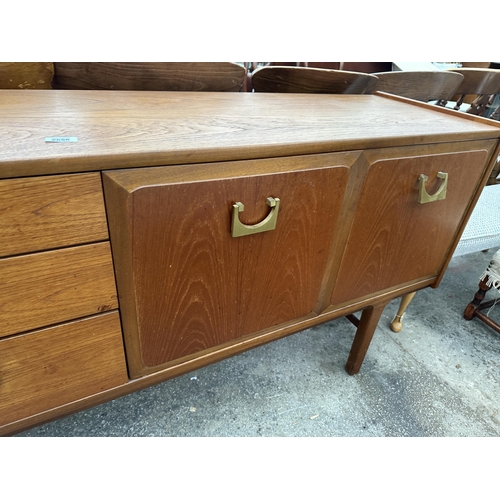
{"points": [[161, 76], [289, 79], [478, 88], [420, 85]]}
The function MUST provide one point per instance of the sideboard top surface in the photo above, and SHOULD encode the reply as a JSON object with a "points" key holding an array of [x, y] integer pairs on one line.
{"points": [[122, 129]]}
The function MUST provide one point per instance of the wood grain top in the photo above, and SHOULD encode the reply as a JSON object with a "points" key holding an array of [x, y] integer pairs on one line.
{"points": [[121, 129]]}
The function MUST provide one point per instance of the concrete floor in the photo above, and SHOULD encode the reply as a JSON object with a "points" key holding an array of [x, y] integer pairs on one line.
{"points": [[439, 377]]}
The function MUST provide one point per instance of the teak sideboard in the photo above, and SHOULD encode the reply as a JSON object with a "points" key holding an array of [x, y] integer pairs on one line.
{"points": [[147, 234]]}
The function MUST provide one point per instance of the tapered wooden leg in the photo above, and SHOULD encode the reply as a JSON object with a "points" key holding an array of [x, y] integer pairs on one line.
{"points": [[397, 322], [366, 329]]}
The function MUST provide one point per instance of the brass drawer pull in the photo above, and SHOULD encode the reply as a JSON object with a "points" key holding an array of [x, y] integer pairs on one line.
{"points": [[268, 224], [440, 194]]}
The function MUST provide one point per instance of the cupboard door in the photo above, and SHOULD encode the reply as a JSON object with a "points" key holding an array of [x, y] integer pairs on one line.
{"points": [[186, 284], [394, 238]]}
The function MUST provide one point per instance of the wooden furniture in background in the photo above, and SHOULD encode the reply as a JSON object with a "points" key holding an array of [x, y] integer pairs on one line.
{"points": [[16, 75], [489, 279], [311, 80], [475, 64], [420, 85], [478, 89], [197, 279], [495, 174], [167, 76], [362, 67]]}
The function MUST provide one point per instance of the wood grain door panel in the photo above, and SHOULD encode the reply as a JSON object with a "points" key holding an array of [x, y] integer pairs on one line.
{"points": [[394, 239], [192, 285]]}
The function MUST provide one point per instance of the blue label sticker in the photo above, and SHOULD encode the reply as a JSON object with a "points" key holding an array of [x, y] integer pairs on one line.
{"points": [[61, 139]]}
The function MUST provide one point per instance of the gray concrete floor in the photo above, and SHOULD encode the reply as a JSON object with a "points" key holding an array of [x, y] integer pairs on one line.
{"points": [[439, 377]]}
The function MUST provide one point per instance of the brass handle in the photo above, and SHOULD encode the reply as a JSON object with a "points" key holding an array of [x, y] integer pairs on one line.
{"points": [[268, 224], [440, 194]]}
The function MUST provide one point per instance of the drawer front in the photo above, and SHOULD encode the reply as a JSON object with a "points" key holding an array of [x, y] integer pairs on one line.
{"points": [[394, 238], [48, 368], [190, 284], [40, 213], [51, 287]]}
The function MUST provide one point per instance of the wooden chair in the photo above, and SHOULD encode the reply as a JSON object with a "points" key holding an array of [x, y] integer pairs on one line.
{"points": [[161, 76], [302, 80], [22, 75], [477, 91], [361, 67], [488, 280], [420, 85]]}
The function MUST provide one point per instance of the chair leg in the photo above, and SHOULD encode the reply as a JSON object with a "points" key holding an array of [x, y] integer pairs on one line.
{"points": [[397, 322], [364, 333], [475, 305], [474, 308]]}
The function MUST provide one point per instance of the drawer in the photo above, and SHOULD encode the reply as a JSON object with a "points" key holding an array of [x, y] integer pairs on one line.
{"points": [[51, 367], [185, 283], [40, 213], [52, 287], [394, 238]]}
